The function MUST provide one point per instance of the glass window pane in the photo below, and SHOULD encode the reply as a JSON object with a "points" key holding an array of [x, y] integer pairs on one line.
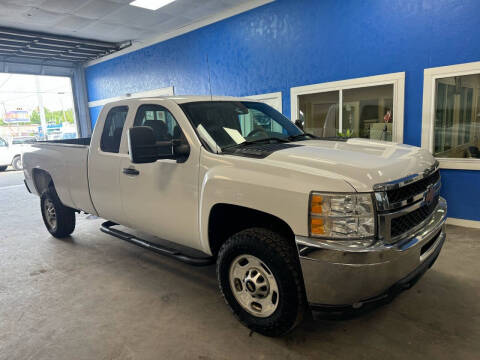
{"points": [[320, 113], [368, 112], [164, 125], [457, 117], [112, 129]]}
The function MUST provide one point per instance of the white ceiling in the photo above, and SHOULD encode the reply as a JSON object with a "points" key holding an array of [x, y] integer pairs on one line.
{"points": [[108, 20]]}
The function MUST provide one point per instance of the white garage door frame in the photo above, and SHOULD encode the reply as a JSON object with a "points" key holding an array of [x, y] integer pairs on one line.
{"points": [[77, 77]]}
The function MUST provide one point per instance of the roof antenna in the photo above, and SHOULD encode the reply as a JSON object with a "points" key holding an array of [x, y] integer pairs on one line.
{"points": [[209, 79]]}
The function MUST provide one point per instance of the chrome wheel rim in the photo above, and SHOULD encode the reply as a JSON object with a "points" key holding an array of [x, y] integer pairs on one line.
{"points": [[18, 163], [50, 214], [253, 285]]}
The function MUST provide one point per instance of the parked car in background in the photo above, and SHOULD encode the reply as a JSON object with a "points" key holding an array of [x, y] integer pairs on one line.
{"points": [[11, 151], [290, 219]]}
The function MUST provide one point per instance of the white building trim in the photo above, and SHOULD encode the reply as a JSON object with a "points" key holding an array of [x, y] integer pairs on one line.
{"points": [[273, 99], [428, 112], [168, 91], [396, 79], [183, 30]]}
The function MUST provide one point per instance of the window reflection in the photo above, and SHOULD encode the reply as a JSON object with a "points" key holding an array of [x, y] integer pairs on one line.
{"points": [[457, 117]]}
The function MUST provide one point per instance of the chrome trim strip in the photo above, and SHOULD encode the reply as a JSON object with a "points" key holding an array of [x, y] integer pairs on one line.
{"points": [[383, 203], [395, 184]]}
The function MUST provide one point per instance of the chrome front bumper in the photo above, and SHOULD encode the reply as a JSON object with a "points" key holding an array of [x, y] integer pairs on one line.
{"points": [[340, 277]]}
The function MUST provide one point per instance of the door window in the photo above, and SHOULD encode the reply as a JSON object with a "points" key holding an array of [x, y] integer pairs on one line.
{"points": [[3, 143], [162, 122], [112, 131]]}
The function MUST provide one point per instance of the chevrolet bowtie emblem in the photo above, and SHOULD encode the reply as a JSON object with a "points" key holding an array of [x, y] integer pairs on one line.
{"points": [[429, 195]]}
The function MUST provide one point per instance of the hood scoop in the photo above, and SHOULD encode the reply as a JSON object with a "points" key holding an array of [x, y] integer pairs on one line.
{"points": [[258, 151]]}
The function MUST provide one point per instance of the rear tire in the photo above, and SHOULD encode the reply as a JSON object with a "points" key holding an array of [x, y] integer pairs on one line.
{"points": [[3, 168], [260, 278], [17, 163], [58, 218]]}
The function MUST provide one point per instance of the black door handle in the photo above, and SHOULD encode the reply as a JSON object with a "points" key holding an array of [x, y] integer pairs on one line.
{"points": [[131, 171]]}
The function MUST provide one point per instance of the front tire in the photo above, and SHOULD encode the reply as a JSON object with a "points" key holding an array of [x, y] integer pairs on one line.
{"points": [[58, 218], [260, 278], [17, 163], [3, 168]]}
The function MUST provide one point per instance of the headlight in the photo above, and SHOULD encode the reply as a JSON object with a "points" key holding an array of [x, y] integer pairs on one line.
{"points": [[341, 216]]}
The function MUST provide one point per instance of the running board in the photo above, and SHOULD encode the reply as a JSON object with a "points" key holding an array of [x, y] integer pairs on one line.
{"points": [[196, 261]]}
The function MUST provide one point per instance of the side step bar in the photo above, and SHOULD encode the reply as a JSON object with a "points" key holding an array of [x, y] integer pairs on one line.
{"points": [[196, 261]]}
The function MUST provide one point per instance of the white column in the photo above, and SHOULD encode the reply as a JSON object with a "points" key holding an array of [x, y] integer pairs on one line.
{"points": [[43, 120]]}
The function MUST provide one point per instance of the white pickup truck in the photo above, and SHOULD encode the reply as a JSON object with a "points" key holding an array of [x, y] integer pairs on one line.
{"points": [[292, 221], [11, 151]]}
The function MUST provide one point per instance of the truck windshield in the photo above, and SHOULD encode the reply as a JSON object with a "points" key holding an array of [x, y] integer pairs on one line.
{"points": [[224, 124]]}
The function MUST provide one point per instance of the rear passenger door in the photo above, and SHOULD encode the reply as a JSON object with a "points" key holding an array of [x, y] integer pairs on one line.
{"points": [[104, 163]]}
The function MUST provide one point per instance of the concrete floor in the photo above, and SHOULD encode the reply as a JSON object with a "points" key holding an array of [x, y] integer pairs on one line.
{"points": [[96, 297]]}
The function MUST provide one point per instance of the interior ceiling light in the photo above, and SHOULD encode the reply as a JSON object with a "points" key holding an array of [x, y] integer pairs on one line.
{"points": [[151, 4]]}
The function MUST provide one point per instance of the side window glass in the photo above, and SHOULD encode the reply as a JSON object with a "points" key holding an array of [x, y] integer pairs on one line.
{"points": [[112, 130], [3, 143], [164, 125]]}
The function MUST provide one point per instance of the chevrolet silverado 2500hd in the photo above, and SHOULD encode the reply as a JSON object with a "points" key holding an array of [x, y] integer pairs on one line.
{"points": [[291, 220]]}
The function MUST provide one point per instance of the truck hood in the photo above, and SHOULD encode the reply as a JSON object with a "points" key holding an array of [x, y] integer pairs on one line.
{"points": [[361, 162]]}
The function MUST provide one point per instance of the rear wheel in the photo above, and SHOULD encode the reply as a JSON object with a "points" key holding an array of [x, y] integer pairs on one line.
{"points": [[3, 168], [17, 163], [260, 279], [58, 218]]}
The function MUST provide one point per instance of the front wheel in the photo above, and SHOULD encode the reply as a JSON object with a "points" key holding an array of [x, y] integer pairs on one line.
{"points": [[260, 278], [58, 218], [3, 168], [17, 163]]}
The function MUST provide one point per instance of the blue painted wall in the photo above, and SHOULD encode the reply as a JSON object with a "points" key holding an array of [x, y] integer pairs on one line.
{"points": [[298, 42]]}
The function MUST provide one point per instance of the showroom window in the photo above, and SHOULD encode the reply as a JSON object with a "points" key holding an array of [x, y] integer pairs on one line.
{"points": [[451, 118], [370, 107]]}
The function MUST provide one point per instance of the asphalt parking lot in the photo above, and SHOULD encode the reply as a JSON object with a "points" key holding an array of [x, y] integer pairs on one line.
{"points": [[100, 298]]}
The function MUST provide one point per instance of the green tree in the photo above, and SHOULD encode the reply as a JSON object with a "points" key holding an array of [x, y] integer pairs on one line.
{"points": [[35, 117]]}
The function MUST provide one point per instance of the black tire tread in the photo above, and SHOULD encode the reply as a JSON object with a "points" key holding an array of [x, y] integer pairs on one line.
{"points": [[14, 163], [65, 215], [277, 245]]}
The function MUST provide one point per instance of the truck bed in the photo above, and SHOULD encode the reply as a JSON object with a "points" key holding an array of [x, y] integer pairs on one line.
{"points": [[66, 161]]}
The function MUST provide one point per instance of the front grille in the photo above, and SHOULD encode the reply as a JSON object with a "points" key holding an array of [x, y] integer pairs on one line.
{"points": [[404, 223], [410, 190]]}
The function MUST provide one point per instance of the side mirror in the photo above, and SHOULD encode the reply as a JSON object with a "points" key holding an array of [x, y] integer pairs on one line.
{"points": [[299, 123], [181, 150], [141, 145]]}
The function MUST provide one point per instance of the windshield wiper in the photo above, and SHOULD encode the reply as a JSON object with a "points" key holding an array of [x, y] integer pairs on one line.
{"points": [[250, 142], [298, 136]]}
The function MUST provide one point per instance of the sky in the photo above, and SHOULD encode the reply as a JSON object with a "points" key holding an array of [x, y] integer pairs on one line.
{"points": [[18, 91]]}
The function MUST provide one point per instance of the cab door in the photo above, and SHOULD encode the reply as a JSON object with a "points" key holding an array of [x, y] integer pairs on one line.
{"points": [[161, 198], [103, 164]]}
